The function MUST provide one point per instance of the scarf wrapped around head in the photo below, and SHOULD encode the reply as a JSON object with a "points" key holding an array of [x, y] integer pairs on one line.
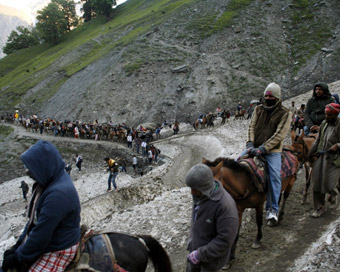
{"points": [[333, 108]]}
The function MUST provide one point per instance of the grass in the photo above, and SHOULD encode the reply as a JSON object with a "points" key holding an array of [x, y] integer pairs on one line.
{"points": [[86, 44], [5, 131], [214, 22], [310, 33]]}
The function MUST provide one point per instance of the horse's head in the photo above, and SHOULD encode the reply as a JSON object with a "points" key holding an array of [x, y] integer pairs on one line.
{"points": [[302, 145], [215, 165]]}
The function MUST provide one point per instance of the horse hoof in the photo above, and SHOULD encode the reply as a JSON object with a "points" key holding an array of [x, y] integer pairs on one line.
{"points": [[271, 223], [227, 266], [256, 245]]}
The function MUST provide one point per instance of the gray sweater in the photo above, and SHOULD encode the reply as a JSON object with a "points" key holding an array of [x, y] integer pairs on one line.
{"points": [[214, 230]]}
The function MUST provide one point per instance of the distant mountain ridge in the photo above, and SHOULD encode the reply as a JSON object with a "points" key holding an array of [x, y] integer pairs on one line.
{"points": [[12, 12], [10, 18], [9, 22]]}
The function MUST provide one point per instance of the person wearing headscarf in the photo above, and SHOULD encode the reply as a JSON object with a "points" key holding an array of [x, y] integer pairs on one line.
{"points": [[52, 234], [315, 108], [267, 130], [326, 169], [214, 222]]}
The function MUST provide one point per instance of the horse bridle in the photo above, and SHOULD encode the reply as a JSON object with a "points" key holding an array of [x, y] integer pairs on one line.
{"points": [[304, 147]]}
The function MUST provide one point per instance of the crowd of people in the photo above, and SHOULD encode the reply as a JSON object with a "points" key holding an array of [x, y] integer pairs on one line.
{"points": [[52, 233]]}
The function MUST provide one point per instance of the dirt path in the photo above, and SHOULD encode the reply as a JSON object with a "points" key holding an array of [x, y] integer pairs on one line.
{"points": [[281, 245]]}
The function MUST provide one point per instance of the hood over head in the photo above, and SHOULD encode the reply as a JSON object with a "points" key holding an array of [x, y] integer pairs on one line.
{"points": [[324, 87], [44, 162]]}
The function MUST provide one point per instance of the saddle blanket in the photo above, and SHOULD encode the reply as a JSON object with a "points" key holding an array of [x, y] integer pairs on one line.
{"points": [[288, 168], [98, 255]]}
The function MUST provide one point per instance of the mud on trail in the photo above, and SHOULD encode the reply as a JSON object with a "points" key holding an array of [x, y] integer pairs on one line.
{"points": [[159, 204]]}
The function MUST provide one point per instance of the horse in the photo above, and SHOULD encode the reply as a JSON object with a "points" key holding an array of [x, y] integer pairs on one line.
{"points": [[240, 114], [302, 145], [237, 180], [201, 124], [210, 119], [118, 252], [114, 251], [298, 123]]}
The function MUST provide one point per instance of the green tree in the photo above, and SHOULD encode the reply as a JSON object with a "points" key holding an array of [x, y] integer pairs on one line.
{"points": [[51, 23], [103, 7], [88, 10], [20, 38], [69, 9], [91, 8]]}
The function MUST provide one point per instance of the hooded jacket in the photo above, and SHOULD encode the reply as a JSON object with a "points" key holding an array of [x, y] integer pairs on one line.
{"points": [[315, 109], [57, 216]]}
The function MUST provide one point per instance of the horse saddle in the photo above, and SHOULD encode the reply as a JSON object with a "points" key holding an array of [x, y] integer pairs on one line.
{"points": [[257, 168], [96, 254]]}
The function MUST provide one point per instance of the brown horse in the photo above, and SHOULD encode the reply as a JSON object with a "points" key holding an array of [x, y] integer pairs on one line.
{"points": [[202, 124], [240, 114], [302, 145], [237, 180]]}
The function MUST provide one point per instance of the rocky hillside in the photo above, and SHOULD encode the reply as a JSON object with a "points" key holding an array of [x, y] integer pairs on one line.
{"points": [[168, 59]]}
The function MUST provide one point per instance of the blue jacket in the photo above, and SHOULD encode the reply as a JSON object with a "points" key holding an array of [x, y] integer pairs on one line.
{"points": [[57, 219]]}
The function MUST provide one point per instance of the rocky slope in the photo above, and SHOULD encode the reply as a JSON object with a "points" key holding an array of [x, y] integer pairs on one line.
{"points": [[188, 56]]}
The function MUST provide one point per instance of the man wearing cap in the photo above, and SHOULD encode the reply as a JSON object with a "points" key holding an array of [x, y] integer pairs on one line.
{"points": [[315, 109], [268, 127], [326, 169], [214, 223]]}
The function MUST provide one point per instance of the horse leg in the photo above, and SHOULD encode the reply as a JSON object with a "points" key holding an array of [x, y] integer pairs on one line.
{"points": [[259, 221], [285, 196], [305, 191], [233, 248]]}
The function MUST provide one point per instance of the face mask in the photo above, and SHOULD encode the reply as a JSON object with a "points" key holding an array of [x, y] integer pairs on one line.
{"points": [[270, 102]]}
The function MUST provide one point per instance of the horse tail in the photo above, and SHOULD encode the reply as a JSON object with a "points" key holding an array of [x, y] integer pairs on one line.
{"points": [[158, 255]]}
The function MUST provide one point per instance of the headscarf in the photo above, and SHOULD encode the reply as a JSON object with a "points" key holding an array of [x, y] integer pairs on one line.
{"points": [[333, 108]]}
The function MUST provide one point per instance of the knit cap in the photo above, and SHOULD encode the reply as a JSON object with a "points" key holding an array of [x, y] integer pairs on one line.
{"points": [[200, 177], [273, 89]]}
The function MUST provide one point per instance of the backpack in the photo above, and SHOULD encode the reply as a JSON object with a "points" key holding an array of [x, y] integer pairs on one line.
{"points": [[80, 159]]}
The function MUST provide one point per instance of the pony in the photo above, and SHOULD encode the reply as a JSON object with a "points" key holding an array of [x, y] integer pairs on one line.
{"points": [[302, 145], [210, 119], [237, 180], [201, 124], [117, 252], [114, 251], [240, 114], [298, 123]]}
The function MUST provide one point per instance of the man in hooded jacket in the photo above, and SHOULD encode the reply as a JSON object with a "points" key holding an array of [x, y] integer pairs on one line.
{"points": [[315, 108], [214, 223], [51, 236]]}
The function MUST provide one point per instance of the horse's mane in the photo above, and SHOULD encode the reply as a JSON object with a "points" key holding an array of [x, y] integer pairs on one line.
{"points": [[234, 165], [213, 163]]}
